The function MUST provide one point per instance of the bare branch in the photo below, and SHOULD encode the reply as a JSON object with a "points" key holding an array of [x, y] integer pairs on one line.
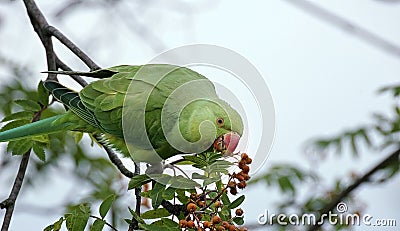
{"points": [[40, 24], [65, 67], [134, 225], [392, 158], [9, 203], [45, 31], [350, 27], [70, 45]]}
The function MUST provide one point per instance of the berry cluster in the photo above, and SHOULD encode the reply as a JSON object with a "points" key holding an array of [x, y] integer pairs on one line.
{"points": [[198, 208], [238, 180]]}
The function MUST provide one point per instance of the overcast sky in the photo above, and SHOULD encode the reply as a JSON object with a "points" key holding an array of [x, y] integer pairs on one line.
{"points": [[322, 79]]}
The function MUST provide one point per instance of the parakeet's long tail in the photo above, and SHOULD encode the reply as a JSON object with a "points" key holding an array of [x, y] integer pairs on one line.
{"points": [[45, 126]]}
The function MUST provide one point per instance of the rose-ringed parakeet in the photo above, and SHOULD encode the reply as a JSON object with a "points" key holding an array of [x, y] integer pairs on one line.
{"points": [[141, 94]]}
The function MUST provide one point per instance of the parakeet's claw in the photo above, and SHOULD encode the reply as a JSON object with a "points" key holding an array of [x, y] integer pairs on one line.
{"points": [[227, 143]]}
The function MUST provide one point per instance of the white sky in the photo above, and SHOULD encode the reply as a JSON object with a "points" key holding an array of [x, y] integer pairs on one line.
{"points": [[322, 79]]}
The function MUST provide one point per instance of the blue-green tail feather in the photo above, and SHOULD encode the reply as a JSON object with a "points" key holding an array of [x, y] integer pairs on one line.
{"points": [[41, 127]]}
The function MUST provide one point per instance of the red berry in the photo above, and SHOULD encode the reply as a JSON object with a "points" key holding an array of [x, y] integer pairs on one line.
{"points": [[232, 228], [207, 224], [190, 224], [201, 203], [225, 224], [242, 163], [239, 212], [244, 156], [194, 197], [249, 160], [191, 207], [245, 176], [220, 228], [232, 184], [242, 184], [183, 223], [245, 169], [217, 204], [239, 177], [216, 220], [233, 191]]}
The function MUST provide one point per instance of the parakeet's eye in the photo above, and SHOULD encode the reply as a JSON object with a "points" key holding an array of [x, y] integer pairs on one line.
{"points": [[220, 121]]}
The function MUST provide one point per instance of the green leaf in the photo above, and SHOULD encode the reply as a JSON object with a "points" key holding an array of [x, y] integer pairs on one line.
{"points": [[39, 151], [155, 213], [181, 195], [97, 225], [26, 115], [138, 181], [220, 166], [225, 199], [41, 138], [78, 218], [156, 195], [198, 162], [354, 145], [238, 220], [225, 213], [183, 182], [211, 180], [106, 205], [162, 178], [195, 175], [236, 203], [285, 184], [169, 193], [14, 124], [19, 147], [56, 226], [163, 224], [43, 94], [134, 215], [49, 228], [28, 105]]}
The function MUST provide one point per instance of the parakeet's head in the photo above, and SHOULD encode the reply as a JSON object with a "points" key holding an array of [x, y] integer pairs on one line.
{"points": [[228, 125]]}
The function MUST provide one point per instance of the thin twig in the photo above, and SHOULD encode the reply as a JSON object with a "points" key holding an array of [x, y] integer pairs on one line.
{"points": [[105, 222], [114, 158], [39, 24], [134, 225], [72, 47], [9, 203], [350, 27], [65, 67], [392, 158]]}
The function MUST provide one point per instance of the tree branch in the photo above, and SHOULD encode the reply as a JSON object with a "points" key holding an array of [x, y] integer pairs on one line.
{"points": [[134, 225], [65, 67], [72, 47], [45, 32], [9, 203], [392, 158]]}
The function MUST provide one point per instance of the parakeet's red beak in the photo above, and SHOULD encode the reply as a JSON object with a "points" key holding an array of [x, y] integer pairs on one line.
{"points": [[227, 143]]}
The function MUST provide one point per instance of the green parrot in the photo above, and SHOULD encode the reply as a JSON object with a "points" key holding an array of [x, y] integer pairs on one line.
{"points": [[149, 112]]}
